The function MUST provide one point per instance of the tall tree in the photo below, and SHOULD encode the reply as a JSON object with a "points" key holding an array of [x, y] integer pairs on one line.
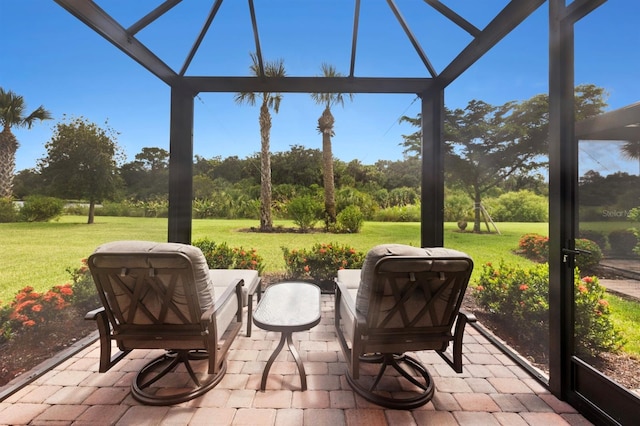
{"points": [[147, 177], [487, 145], [12, 114], [325, 128], [82, 162], [268, 101]]}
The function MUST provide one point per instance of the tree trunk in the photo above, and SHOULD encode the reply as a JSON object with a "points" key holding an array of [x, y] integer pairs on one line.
{"points": [[266, 222], [325, 126], [8, 147], [476, 222], [92, 211]]}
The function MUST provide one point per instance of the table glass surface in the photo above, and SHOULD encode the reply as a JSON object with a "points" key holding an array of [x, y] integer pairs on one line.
{"points": [[286, 305]]}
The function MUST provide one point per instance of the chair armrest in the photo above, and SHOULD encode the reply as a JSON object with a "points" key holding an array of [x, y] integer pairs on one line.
{"points": [[468, 315], [350, 305], [93, 314], [234, 289]]}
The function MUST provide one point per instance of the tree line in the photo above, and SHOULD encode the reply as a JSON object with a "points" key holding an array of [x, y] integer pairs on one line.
{"points": [[489, 150]]}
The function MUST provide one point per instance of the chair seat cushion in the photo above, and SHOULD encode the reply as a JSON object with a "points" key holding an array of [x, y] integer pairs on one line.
{"points": [[221, 278], [367, 274]]}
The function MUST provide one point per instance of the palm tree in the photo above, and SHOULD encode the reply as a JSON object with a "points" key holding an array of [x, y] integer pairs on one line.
{"points": [[12, 112], [269, 100], [325, 128], [631, 151]]}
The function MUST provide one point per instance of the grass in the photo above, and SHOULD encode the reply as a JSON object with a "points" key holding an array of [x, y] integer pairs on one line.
{"points": [[38, 254], [626, 315]]}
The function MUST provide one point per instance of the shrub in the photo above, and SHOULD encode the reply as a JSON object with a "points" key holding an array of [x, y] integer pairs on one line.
{"points": [[596, 236], [521, 206], [457, 206], [30, 309], [221, 256], [410, 213], [587, 262], [536, 247], [519, 298], [304, 211], [8, 210], [350, 220], [38, 208], [322, 261], [85, 296], [622, 241]]}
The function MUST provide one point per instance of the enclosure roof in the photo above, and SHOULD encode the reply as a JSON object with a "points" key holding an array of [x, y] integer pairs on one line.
{"points": [[208, 30], [619, 125]]}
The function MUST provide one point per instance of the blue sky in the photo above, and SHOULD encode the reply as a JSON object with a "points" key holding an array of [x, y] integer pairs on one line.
{"points": [[52, 59]]}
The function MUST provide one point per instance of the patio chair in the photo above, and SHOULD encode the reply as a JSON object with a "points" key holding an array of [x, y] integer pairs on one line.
{"points": [[160, 296], [405, 299]]}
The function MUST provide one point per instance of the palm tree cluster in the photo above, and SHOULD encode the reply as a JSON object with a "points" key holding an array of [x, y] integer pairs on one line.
{"points": [[269, 101]]}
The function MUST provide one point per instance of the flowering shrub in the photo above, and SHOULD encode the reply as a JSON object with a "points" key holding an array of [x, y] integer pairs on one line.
{"points": [[322, 261], [30, 308], [221, 256], [85, 296], [520, 299], [536, 248]]}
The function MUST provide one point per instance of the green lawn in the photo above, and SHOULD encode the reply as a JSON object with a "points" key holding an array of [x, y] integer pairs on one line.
{"points": [[38, 254]]}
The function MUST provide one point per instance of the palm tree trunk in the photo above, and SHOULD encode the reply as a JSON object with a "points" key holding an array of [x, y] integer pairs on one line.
{"points": [[325, 125], [266, 222], [8, 147]]}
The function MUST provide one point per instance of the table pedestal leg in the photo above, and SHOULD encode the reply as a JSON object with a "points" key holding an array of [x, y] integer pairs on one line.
{"points": [[303, 377]]}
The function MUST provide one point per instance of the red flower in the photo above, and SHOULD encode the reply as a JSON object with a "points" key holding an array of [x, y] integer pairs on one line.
{"points": [[582, 289], [523, 287], [588, 280]]}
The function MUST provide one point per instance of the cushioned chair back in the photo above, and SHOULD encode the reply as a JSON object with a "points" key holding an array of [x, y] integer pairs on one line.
{"points": [[411, 296], [152, 291]]}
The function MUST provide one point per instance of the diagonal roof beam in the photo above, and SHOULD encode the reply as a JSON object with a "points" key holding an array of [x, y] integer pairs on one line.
{"points": [[578, 9], [412, 38], [454, 17], [97, 19], [203, 31], [152, 16], [354, 41], [254, 24], [509, 18]]}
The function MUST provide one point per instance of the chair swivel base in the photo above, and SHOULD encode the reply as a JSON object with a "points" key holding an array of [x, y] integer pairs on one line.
{"points": [[143, 391], [420, 379]]}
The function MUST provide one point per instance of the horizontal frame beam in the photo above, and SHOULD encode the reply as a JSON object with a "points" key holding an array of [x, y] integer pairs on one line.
{"points": [[309, 84]]}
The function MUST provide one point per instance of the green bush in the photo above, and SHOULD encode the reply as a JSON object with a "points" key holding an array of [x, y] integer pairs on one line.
{"points": [[622, 241], [221, 256], [519, 298], [8, 211], [347, 196], [305, 212], [350, 220], [520, 206], [410, 213], [596, 236], [457, 206], [38, 208], [536, 247], [587, 262], [321, 262], [85, 296]]}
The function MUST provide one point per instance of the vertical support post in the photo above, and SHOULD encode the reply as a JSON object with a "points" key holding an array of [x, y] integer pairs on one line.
{"points": [[432, 196], [181, 165], [563, 179]]}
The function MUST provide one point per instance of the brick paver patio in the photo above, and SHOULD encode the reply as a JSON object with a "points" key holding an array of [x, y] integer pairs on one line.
{"points": [[492, 390]]}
